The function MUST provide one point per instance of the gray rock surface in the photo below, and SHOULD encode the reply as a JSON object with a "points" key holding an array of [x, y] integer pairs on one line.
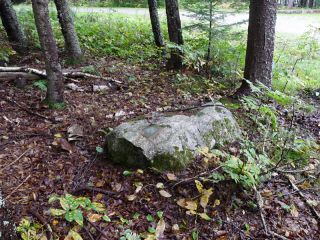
{"points": [[170, 142]]}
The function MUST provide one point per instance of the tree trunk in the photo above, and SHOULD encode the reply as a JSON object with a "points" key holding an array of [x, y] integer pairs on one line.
{"points": [[71, 40], [175, 32], [50, 51], [154, 17], [14, 31], [290, 3], [260, 44]]}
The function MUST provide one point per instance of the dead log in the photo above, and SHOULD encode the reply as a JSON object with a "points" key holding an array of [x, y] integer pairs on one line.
{"points": [[10, 76], [11, 73]]}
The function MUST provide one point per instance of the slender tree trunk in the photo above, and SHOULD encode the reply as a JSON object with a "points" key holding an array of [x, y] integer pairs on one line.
{"points": [[260, 44], [50, 51], [71, 40], [154, 17], [14, 31], [290, 3], [175, 32]]}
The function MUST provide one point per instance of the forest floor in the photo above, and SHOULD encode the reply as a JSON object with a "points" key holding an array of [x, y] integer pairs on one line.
{"points": [[32, 166]]}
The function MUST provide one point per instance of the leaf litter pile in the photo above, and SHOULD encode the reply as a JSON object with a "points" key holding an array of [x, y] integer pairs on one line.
{"points": [[52, 171]]}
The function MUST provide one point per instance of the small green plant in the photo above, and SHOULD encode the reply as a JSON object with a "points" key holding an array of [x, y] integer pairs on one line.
{"points": [[6, 52], [247, 168], [73, 209], [29, 230], [41, 84], [129, 235]]}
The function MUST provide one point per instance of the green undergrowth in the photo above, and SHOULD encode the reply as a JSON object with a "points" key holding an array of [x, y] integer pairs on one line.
{"points": [[267, 143], [130, 37]]}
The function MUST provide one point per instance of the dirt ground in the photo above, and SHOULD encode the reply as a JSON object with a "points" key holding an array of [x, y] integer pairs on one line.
{"points": [[32, 167]]}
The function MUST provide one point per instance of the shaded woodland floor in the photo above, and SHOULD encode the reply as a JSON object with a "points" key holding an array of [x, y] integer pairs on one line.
{"points": [[32, 168]]}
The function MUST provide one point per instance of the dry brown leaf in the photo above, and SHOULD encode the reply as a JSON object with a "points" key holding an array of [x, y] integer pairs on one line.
{"points": [[171, 177], [165, 194], [161, 227], [94, 217], [131, 197]]}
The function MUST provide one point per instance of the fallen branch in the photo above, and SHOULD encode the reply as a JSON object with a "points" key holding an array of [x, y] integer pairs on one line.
{"points": [[28, 110], [31, 73], [295, 187], [88, 233], [92, 189], [98, 229], [13, 162], [187, 180], [268, 232], [14, 190], [43, 222]]}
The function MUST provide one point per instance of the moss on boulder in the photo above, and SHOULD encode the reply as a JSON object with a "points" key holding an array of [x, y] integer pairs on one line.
{"points": [[171, 142]]}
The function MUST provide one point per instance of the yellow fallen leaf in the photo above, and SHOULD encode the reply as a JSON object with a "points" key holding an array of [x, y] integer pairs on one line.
{"points": [[140, 171], [294, 212], [266, 193], [216, 203], [190, 205], [94, 217], [98, 197], [58, 135], [305, 185], [55, 222], [131, 197], [204, 216], [100, 183], [205, 197], [191, 212], [199, 186]]}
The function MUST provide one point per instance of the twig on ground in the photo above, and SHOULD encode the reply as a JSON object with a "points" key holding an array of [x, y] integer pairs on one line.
{"points": [[192, 108], [278, 235], [195, 177], [82, 171], [93, 189], [43, 222], [98, 229], [14, 190], [28, 110], [268, 232], [239, 229], [13, 162], [295, 187], [294, 171], [88, 233]]}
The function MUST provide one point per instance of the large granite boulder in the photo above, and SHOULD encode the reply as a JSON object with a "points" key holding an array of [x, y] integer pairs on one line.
{"points": [[170, 142]]}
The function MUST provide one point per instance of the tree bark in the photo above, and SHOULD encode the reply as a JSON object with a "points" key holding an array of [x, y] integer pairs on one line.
{"points": [[71, 40], [260, 44], [14, 31], [175, 32], [50, 51], [155, 23]]}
